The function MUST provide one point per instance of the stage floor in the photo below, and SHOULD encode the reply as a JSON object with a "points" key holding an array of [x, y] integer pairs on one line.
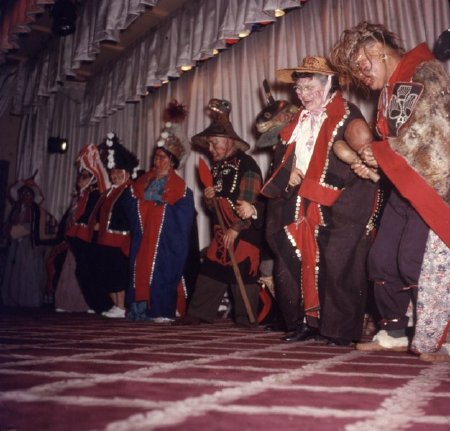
{"points": [[61, 371]]}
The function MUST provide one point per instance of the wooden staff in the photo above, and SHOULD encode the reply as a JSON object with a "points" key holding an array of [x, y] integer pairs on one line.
{"points": [[206, 179]]}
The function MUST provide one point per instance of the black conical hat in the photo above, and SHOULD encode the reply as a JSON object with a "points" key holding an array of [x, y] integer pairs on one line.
{"points": [[220, 126]]}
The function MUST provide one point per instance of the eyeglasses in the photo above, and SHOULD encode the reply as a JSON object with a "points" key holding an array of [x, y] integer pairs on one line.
{"points": [[305, 89]]}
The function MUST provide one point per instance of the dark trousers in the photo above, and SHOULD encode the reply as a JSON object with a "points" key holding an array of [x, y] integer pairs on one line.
{"points": [[88, 275], [286, 276], [395, 260], [208, 294]]}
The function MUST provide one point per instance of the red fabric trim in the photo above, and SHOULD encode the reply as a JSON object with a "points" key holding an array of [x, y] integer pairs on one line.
{"points": [[409, 62], [425, 200], [304, 232], [216, 252], [81, 203], [304, 236], [316, 192], [106, 237], [152, 218], [267, 304]]}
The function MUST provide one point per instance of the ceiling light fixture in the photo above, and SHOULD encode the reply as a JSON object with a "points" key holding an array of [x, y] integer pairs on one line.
{"points": [[244, 33], [279, 13]]}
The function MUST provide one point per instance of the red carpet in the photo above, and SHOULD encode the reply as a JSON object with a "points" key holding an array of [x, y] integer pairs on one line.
{"points": [[79, 372]]}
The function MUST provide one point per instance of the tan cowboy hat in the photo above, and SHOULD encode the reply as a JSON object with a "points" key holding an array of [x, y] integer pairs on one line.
{"points": [[316, 64]]}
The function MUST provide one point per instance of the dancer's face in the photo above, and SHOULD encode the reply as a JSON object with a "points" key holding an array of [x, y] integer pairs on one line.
{"points": [[119, 176], [220, 147], [368, 65], [310, 92], [161, 163]]}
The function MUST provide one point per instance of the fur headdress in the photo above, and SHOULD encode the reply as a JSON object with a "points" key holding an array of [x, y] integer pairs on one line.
{"points": [[115, 156]]}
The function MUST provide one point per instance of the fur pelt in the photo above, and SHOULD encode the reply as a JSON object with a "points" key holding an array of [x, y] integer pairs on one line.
{"points": [[425, 139]]}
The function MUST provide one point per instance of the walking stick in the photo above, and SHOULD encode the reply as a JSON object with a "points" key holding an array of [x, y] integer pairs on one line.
{"points": [[207, 181]]}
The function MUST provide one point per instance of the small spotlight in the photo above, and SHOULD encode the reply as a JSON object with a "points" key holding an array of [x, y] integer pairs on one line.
{"points": [[186, 68], [279, 12], [244, 33], [57, 145], [215, 51]]}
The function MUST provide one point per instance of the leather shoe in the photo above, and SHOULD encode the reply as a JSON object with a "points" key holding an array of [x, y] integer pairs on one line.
{"points": [[302, 333]]}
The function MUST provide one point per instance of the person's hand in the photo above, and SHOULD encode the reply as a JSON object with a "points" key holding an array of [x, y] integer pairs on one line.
{"points": [[245, 209], [296, 177], [361, 170], [209, 192], [229, 237], [19, 231], [366, 154]]}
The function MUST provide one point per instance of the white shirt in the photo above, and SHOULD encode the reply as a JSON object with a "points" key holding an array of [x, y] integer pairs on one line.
{"points": [[305, 136]]}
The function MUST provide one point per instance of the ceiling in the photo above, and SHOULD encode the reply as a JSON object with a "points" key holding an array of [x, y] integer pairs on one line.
{"points": [[32, 43]]}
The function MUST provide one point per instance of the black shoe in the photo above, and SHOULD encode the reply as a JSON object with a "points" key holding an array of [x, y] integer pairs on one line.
{"points": [[302, 333]]}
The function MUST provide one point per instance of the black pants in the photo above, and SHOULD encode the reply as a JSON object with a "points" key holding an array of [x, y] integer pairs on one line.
{"points": [[395, 260], [88, 275], [209, 292], [286, 276]]}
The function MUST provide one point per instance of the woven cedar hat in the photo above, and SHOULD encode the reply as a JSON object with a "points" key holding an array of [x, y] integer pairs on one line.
{"points": [[115, 156], [220, 126], [317, 65]]}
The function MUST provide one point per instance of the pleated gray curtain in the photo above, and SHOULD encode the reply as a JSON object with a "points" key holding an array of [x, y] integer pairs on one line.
{"points": [[129, 97]]}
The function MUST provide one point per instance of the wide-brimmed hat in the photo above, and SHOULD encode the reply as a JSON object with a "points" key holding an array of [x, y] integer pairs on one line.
{"points": [[220, 126], [319, 65]]}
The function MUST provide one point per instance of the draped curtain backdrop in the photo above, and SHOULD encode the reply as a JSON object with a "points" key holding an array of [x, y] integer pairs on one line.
{"points": [[128, 97]]}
